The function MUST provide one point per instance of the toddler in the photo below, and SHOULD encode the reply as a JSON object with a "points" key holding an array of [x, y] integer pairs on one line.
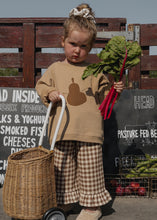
{"points": [[78, 149]]}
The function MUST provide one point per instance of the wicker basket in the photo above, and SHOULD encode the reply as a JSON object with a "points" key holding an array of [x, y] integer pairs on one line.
{"points": [[29, 186]]}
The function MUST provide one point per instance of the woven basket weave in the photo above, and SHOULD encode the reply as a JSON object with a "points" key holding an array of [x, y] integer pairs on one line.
{"points": [[29, 186]]}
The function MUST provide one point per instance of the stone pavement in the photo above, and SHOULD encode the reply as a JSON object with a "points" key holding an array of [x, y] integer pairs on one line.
{"points": [[120, 208]]}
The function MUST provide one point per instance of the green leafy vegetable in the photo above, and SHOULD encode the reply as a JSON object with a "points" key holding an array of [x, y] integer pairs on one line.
{"points": [[112, 58], [117, 56]]}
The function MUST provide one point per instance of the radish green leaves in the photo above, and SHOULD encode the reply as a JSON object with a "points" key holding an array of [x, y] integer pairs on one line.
{"points": [[112, 58]]}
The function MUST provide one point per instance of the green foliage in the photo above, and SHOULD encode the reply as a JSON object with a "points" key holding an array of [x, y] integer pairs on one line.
{"points": [[113, 56], [8, 72], [153, 74]]}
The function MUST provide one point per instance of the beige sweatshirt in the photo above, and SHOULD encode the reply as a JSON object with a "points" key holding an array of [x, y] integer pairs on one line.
{"points": [[82, 120]]}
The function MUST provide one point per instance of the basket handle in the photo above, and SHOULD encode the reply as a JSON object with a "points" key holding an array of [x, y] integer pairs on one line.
{"points": [[58, 124]]}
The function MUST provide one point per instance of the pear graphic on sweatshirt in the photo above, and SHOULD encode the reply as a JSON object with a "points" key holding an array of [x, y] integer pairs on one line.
{"points": [[75, 97]]}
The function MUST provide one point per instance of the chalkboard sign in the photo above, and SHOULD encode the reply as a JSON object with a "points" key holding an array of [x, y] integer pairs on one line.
{"points": [[132, 128], [21, 119]]}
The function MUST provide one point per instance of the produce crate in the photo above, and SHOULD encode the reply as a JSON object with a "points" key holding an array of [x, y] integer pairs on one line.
{"points": [[153, 187], [133, 166], [137, 177], [119, 185]]}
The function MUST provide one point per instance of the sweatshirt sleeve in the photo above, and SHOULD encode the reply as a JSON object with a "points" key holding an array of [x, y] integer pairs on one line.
{"points": [[101, 87], [45, 85]]}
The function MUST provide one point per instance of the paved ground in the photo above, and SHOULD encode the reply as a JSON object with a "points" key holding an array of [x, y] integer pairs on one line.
{"points": [[121, 208]]}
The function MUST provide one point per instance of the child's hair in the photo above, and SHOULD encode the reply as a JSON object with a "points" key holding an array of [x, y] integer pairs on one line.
{"points": [[81, 18]]}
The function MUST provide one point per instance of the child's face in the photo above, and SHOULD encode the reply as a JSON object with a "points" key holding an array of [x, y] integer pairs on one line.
{"points": [[76, 46]]}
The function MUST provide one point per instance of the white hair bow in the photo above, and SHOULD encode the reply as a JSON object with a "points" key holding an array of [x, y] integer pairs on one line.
{"points": [[84, 13]]}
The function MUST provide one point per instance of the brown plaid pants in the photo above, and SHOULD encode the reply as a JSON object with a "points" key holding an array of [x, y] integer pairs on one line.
{"points": [[79, 174]]}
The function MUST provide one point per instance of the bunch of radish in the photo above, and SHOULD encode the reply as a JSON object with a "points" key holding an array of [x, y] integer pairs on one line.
{"points": [[134, 188]]}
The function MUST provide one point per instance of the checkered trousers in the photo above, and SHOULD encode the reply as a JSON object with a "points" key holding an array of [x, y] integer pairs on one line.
{"points": [[79, 174]]}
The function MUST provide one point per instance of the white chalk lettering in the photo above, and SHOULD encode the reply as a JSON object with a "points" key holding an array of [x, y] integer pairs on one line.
{"points": [[25, 96], [128, 134], [3, 95], [2, 177], [15, 141], [3, 164], [144, 102], [32, 108], [153, 133], [33, 119], [5, 119], [8, 107], [35, 131], [144, 133], [116, 161], [14, 150], [13, 130]]}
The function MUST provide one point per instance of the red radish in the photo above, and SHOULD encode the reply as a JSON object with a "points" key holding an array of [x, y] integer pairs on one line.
{"points": [[127, 190], [119, 190], [134, 186], [114, 182], [142, 191]]}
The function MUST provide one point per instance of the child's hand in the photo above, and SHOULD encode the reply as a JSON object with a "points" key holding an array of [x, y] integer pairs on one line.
{"points": [[54, 96], [118, 86]]}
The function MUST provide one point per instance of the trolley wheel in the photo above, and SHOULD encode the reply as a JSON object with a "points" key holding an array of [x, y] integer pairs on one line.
{"points": [[54, 214]]}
